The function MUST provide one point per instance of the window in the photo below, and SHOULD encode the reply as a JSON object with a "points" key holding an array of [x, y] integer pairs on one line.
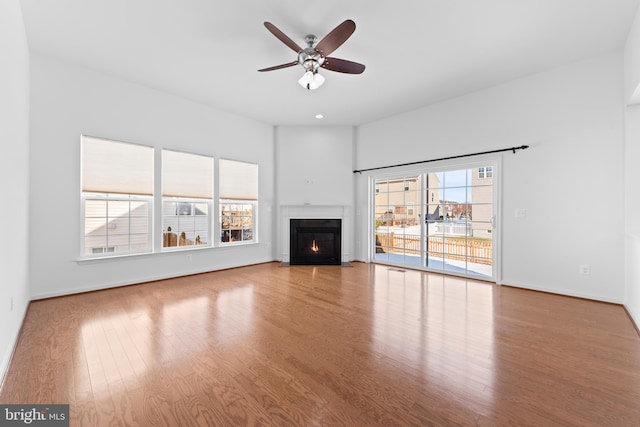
{"points": [[118, 203], [238, 201], [396, 216], [117, 191], [103, 250], [236, 222], [187, 197], [485, 172]]}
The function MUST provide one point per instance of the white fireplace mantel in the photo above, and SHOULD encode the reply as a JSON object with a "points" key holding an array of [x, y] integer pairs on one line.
{"points": [[288, 212]]}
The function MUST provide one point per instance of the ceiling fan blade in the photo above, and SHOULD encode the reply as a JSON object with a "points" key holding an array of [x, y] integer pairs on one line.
{"points": [[282, 37], [336, 37], [342, 66], [277, 67]]}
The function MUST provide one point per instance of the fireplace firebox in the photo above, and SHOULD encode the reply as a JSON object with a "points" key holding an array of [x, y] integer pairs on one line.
{"points": [[315, 241]]}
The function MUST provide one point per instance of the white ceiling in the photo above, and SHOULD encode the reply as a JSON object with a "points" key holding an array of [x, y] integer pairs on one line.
{"points": [[417, 52]]}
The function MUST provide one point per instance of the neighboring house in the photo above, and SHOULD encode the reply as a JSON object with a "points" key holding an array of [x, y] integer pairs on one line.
{"points": [[482, 201], [129, 231], [398, 202], [119, 233]]}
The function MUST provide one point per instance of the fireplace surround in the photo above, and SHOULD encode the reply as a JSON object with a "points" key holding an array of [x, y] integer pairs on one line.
{"points": [[308, 211], [315, 241]]}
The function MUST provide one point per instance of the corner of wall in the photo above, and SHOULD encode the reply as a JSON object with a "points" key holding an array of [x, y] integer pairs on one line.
{"points": [[15, 140], [12, 344]]}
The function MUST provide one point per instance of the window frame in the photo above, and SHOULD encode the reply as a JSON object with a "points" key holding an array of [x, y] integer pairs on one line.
{"points": [[374, 244], [111, 197], [209, 221], [242, 193], [485, 172], [254, 228], [196, 174], [155, 201], [139, 179]]}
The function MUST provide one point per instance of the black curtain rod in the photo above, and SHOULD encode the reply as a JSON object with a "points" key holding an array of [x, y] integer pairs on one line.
{"points": [[522, 147]]}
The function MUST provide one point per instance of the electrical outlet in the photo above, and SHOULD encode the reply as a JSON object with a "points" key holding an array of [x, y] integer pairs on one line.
{"points": [[189, 258], [11, 303], [585, 269], [520, 213]]}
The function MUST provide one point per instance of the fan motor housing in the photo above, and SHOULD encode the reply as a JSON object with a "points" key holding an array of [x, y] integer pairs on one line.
{"points": [[310, 59]]}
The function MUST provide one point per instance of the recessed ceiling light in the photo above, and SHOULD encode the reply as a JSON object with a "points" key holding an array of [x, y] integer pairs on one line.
{"points": [[319, 116]]}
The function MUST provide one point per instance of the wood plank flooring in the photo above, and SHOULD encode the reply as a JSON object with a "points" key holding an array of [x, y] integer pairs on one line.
{"points": [[324, 345]]}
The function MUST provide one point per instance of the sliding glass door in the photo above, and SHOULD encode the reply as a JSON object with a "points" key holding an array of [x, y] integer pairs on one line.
{"points": [[398, 225], [441, 220]]}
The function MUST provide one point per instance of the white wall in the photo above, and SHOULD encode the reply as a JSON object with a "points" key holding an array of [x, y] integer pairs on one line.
{"points": [[67, 101], [314, 166], [14, 176], [632, 172], [570, 181], [632, 62], [632, 210]]}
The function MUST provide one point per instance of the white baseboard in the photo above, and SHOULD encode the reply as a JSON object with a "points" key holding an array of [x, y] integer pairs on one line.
{"points": [[582, 295], [11, 348], [145, 279], [635, 318]]}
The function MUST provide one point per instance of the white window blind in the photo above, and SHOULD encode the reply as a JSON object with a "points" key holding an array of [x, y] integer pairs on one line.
{"points": [[187, 175], [116, 167], [238, 180]]}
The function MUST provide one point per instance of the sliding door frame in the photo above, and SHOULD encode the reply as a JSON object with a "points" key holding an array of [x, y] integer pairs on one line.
{"points": [[395, 173]]}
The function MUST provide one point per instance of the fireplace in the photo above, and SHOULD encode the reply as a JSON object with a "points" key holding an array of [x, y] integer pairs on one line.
{"points": [[315, 241]]}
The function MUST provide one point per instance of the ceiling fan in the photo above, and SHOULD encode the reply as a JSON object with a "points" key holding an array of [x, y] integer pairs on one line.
{"points": [[315, 55]]}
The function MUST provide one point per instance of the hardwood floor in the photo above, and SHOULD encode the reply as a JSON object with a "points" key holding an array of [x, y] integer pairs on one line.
{"points": [[363, 345]]}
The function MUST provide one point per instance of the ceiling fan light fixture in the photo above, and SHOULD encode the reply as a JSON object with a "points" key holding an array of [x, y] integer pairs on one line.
{"points": [[311, 80], [314, 56]]}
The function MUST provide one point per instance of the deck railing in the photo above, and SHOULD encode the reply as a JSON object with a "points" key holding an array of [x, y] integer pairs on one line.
{"points": [[472, 249]]}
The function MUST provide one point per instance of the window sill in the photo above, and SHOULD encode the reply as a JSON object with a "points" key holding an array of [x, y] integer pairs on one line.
{"points": [[181, 250], [88, 260], [240, 243], [189, 248]]}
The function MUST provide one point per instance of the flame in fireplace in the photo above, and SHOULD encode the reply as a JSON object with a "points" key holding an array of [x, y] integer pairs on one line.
{"points": [[314, 246]]}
